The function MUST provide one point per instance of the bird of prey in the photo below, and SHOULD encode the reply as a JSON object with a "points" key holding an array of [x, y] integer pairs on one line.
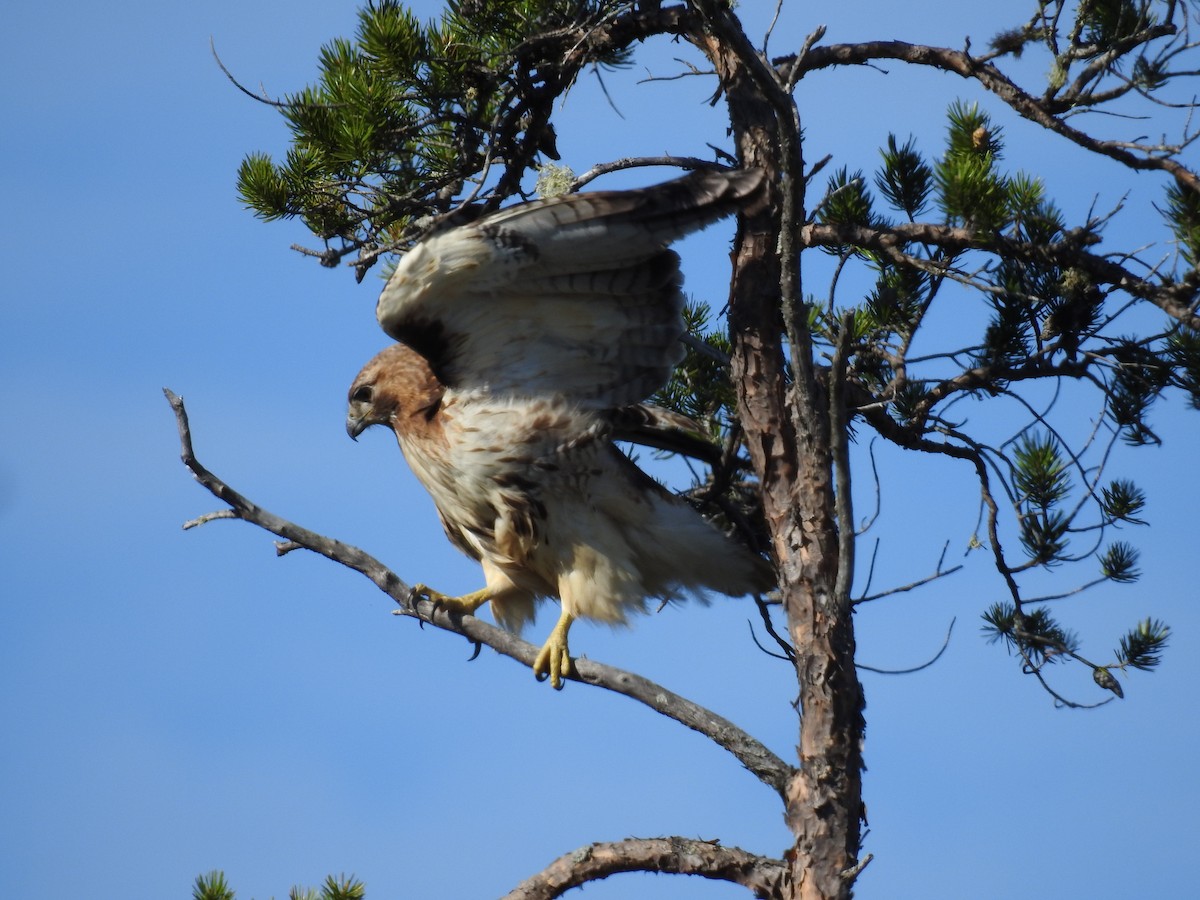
{"points": [[528, 342]]}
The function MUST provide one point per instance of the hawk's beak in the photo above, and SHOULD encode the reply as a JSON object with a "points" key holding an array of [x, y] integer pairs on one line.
{"points": [[354, 426]]}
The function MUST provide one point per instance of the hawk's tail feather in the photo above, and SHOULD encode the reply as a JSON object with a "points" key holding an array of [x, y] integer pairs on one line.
{"points": [[681, 550]]}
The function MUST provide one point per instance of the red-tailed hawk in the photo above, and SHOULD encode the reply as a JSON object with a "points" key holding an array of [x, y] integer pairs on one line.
{"points": [[528, 341]]}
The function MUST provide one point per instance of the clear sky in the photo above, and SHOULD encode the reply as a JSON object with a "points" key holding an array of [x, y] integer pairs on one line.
{"points": [[177, 702]]}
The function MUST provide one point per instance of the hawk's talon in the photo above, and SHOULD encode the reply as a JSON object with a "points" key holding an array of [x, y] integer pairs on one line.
{"points": [[554, 659], [420, 592], [466, 605]]}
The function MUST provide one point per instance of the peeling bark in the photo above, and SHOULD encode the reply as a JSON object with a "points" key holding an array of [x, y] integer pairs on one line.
{"points": [[790, 445]]}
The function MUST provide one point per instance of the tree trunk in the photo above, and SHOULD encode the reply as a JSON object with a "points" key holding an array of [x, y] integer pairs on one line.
{"points": [[788, 432]]}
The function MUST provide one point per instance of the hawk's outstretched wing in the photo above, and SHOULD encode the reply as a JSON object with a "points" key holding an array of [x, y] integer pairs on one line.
{"points": [[575, 296], [527, 342]]}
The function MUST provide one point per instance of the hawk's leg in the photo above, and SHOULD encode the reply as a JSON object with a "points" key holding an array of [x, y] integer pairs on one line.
{"points": [[554, 659], [467, 604]]}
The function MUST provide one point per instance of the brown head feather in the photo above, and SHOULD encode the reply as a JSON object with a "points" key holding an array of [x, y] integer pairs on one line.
{"points": [[396, 388]]}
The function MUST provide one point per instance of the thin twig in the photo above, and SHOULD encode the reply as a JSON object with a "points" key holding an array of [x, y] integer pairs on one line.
{"points": [[924, 665], [208, 517], [939, 572]]}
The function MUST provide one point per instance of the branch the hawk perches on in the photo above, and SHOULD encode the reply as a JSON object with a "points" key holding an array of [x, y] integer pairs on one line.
{"points": [[527, 340]]}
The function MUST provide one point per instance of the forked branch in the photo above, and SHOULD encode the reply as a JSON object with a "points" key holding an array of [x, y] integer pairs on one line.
{"points": [[1043, 112], [764, 764]]}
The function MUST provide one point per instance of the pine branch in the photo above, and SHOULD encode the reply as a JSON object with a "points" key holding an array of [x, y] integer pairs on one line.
{"points": [[1177, 299]]}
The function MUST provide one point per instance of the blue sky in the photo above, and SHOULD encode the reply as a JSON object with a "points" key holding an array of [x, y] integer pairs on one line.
{"points": [[176, 702]]}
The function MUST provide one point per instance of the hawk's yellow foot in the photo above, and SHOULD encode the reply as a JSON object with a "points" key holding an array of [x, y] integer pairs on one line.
{"points": [[554, 659], [467, 604]]}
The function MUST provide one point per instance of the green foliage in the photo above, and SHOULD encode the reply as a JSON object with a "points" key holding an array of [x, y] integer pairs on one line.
{"points": [[1043, 535], [1106, 21], [1122, 500], [1142, 647], [1183, 215], [405, 113], [905, 180], [847, 202], [1034, 634], [1142, 371], [896, 302], [1119, 563], [908, 400], [1042, 481], [1038, 639], [1072, 311], [971, 191], [1038, 305], [1006, 342], [342, 888], [1042, 477], [1141, 375], [1183, 353], [214, 887], [699, 387], [1149, 74]]}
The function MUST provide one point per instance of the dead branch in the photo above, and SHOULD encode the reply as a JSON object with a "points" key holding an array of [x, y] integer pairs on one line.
{"points": [[687, 163], [991, 78], [764, 764], [669, 855], [918, 668], [939, 572]]}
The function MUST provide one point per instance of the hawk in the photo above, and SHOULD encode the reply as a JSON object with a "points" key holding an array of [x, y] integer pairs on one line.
{"points": [[528, 343]]}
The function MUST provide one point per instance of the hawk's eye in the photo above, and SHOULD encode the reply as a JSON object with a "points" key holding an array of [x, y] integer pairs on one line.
{"points": [[362, 395]]}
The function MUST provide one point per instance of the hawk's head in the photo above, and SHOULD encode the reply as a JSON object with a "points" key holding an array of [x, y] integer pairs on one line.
{"points": [[395, 387]]}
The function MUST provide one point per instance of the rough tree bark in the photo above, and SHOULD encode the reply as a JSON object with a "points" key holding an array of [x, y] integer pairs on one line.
{"points": [[791, 446]]}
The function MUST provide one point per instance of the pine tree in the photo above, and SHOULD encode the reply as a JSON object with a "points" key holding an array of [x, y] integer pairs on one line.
{"points": [[415, 123]]}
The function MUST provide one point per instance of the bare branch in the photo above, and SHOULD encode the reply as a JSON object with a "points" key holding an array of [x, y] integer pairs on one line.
{"points": [[261, 98], [939, 572], [668, 855], [839, 440], [687, 163], [869, 522], [764, 610], [924, 665], [242, 508], [764, 764], [208, 517], [962, 63]]}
